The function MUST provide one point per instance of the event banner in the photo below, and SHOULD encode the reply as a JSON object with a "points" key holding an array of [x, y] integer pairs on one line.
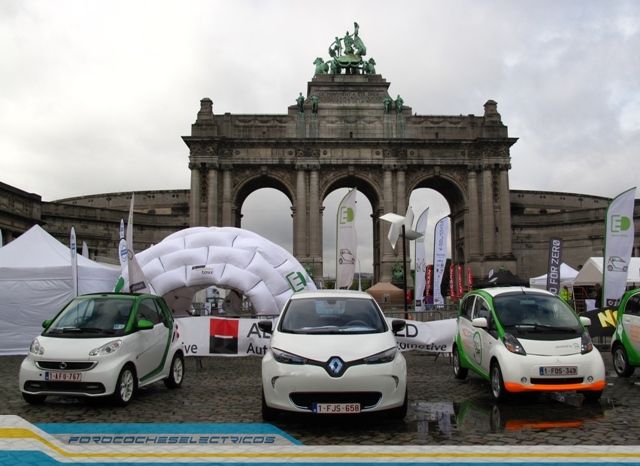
{"points": [[439, 258], [347, 241], [619, 236], [220, 336], [603, 321], [421, 262], [553, 265]]}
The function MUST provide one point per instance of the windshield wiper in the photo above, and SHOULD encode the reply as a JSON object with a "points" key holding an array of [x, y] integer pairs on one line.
{"points": [[543, 327]]}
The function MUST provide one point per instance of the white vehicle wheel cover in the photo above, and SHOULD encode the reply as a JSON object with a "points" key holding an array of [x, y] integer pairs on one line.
{"points": [[230, 258]]}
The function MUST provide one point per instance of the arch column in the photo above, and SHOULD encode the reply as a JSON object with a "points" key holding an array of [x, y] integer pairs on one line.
{"points": [[505, 213], [227, 203], [388, 257], [315, 223], [195, 194], [212, 197], [472, 226], [488, 218], [300, 229]]}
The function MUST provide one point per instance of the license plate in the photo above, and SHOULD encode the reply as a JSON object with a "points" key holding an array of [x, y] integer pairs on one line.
{"points": [[559, 370], [63, 376], [336, 408]]}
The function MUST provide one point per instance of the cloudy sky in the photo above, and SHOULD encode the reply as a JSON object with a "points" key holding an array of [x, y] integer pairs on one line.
{"points": [[94, 96]]}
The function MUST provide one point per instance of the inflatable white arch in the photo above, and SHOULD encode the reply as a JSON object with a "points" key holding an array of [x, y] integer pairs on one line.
{"points": [[230, 258]]}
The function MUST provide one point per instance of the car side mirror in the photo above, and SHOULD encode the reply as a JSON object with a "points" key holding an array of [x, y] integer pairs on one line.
{"points": [[144, 324], [266, 326], [397, 325], [585, 321], [480, 322], [46, 323]]}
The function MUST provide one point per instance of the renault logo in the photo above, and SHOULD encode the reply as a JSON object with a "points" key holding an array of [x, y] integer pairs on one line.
{"points": [[63, 365], [335, 366]]}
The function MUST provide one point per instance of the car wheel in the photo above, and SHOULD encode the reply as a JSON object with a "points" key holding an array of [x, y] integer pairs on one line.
{"points": [[459, 372], [621, 362], [497, 383], [176, 372], [33, 399], [125, 386], [591, 396], [268, 414], [401, 412]]}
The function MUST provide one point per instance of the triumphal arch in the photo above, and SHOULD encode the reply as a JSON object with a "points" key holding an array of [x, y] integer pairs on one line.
{"points": [[349, 132]]}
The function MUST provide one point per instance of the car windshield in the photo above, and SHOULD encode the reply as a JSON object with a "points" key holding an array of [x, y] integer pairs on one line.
{"points": [[93, 317], [332, 316], [536, 313]]}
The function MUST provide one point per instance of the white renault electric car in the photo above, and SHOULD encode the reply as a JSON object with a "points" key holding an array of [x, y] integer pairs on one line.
{"points": [[104, 345], [526, 340], [333, 352]]}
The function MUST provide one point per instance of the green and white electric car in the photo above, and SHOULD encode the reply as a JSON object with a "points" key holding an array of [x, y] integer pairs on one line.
{"points": [[625, 342], [526, 340]]}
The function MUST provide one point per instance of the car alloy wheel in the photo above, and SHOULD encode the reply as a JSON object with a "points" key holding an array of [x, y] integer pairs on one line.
{"points": [[459, 372], [176, 372], [621, 362], [497, 383], [125, 387]]}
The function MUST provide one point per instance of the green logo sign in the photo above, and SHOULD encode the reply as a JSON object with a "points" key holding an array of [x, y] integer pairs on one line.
{"points": [[620, 223], [296, 280], [346, 215]]}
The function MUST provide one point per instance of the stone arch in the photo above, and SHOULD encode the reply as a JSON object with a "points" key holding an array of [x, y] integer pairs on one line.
{"points": [[254, 183]]}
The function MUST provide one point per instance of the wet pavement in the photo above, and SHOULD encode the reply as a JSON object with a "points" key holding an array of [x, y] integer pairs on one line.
{"points": [[442, 410]]}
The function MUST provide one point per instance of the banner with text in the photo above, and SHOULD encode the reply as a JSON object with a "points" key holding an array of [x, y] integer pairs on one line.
{"points": [[420, 279], [219, 336], [553, 265], [440, 237]]}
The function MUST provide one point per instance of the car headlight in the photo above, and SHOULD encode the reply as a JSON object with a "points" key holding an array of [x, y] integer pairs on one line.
{"points": [[382, 357], [513, 345], [106, 349], [586, 345], [36, 348], [287, 358]]}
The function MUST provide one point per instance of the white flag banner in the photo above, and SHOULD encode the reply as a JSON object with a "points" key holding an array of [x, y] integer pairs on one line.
{"points": [[421, 261], [0, 238], [85, 249], [346, 241], [121, 228], [137, 281], [440, 237], [73, 247], [618, 244]]}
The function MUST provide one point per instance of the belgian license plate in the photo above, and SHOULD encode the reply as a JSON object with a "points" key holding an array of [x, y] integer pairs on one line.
{"points": [[63, 376], [558, 370], [336, 408]]}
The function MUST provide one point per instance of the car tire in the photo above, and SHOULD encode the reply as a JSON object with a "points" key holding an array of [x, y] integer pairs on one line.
{"points": [[268, 414], [497, 383], [401, 412], [125, 386], [591, 396], [33, 399], [459, 372], [621, 362], [176, 372]]}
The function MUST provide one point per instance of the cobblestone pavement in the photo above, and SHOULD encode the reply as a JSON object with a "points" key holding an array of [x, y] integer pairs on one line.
{"points": [[442, 410]]}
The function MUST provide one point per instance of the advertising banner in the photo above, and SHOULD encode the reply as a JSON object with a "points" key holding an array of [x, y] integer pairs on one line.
{"points": [[421, 262], [73, 247], [553, 265], [619, 236], [469, 279], [226, 337], [346, 241], [460, 280], [428, 287], [603, 321], [137, 282], [452, 281], [439, 257]]}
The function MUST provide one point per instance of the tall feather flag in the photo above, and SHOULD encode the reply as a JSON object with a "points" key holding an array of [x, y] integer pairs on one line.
{"points": [[346, 240], [618, 244], [123, 256], [73, 248], [439, 257], [420, 279], [137, 280]]}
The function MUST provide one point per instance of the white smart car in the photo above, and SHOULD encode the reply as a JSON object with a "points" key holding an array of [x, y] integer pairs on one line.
{"points": [[104, 345], [332, 352], [526, 340]]}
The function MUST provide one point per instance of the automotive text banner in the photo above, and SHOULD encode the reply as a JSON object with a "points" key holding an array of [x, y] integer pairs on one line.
{"points": [[219, 336]]}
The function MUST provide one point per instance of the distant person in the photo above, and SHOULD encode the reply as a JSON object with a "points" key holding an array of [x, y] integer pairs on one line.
{"points": [[565, 294]]}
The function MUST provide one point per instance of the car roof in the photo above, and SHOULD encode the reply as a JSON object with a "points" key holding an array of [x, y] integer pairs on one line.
{"points": [[499, 290], [328, 294]]}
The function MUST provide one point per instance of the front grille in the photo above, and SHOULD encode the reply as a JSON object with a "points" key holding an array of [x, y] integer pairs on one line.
{"points": [[36, 386], [306, 399], [559, 381], [65, 365]]}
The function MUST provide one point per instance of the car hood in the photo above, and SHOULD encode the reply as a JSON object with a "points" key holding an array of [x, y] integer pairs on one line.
{"points": [[322, 347], [551, 347], [71, 349]]}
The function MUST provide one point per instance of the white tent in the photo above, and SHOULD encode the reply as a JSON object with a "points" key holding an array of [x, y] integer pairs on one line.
{"points": [[591, 272], [567, 276], [35, 283]]}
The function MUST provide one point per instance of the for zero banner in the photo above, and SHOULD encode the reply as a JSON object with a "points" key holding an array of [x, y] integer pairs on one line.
{"points": [[421, 262], [219, 336], [553, 265], [439, 257]]}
